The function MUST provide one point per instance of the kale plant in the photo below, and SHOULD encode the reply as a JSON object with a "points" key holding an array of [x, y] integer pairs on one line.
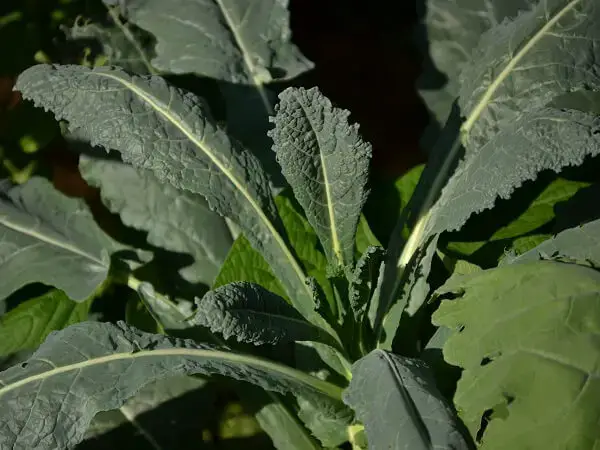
{"points": [[343, 337]]}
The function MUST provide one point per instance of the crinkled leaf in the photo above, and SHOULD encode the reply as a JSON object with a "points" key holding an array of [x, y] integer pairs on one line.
{"points": [[176, 220], [26, 326], [453, 30], [49, 238], [169, 132], [239, 41], [521, 65], [398, 402], [326, 163], [270, 410], [250, 313], [111, 363], [546, 139], [364, 280], [526, 338]]}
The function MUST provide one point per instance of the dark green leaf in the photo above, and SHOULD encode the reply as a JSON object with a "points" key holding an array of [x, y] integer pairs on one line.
{"points": [[397, 400], [50, 238], [92, 367], [250, 313], [326, 163]]}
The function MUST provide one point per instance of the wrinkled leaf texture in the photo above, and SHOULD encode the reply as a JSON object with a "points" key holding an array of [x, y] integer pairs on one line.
{"points": [[326, 163], [511, 133], [170, 132], [48, 401]]}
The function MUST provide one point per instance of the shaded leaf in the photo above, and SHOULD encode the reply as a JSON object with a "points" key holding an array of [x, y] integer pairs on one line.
{"points": [[111, 364], [50, 238], [243, 263], [581, 244], [453, 30], [327, 421], [149, 399], [397, 400], [176, 220], [122, 44], [239, 41], [27, 326]]}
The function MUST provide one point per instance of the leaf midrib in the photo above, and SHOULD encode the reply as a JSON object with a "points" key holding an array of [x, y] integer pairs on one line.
{"points": [[495, 85], [48, 240], [323, 387], [246, 56], [330, 210], [238, 185]]}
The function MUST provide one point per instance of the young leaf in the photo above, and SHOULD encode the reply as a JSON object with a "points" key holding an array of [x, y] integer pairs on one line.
{"points": [[26, 326], [109, 365], [252, 314], [526, 337], [364, 280], [170, 132], [49, 238], [176, 220], [239, 41], [326, 163], [400, 406], [271, 412]]}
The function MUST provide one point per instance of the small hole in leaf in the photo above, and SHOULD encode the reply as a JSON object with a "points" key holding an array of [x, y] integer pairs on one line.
{"points": [[461, 328], [24, 365], [485, 361], [509, 398], [596, 131]]}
